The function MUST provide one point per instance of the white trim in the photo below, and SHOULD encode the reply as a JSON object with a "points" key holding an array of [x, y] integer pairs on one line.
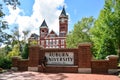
{"points": [[14, 68], [55, 38], [32, 68], [44, 27], [112, 71], [84, 70]]}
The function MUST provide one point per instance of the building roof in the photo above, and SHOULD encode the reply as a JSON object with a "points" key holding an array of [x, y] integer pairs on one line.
{"points": [[63, 12], [44, 24], [52, 34], [35, 36]]}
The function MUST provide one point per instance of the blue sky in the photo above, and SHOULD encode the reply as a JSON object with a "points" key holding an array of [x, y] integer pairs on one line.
{"points": [[30, 14], [83, 8]]}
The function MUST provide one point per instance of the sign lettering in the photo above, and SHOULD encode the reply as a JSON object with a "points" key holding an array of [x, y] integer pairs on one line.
{"points": [[60, 58]]}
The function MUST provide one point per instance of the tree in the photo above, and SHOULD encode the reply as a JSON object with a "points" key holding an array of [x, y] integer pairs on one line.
{"points": [[3, 26], [13, 3], [15, 51], [116, 24], [33, 42], [103, 32], [26, 34], [1, 13], [25, 52], [15, 36], [2, 52], [4, 36], [80, 32]]}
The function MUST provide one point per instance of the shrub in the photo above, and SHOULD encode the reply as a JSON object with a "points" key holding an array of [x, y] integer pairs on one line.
{"points": [[5, 63]]}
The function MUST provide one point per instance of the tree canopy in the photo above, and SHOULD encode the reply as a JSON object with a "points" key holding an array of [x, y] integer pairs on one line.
{"points": [[80, 32], [103, 33], [106, 30]]}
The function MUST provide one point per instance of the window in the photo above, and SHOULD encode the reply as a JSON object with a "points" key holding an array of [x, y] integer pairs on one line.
{"points": [[52, 35], [53, 42], [57, 42], [46, 42], [43, 31], [53, 46], [62, 28], [62, 46], [62, 34], [57, 46], [62, 41], [42, 42]]}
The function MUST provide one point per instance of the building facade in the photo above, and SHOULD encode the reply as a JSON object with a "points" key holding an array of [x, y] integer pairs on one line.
{"points": [[49, 39]]}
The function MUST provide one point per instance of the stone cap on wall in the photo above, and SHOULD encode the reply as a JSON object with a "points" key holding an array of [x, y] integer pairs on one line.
{"points": [[36, 46], [16, 57], [85, 44], [112, 57]]}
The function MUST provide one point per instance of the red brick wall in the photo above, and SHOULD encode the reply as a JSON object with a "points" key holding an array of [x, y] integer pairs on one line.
{"points": [[84, 56], [82, 59], [15, 61], [23, 65], [100, 66]]}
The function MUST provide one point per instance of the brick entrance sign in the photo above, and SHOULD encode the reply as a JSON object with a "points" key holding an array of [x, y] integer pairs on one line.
{"points": [[64, 60]]}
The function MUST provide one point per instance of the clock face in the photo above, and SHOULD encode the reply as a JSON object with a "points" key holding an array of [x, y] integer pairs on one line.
{"points": [[62, 20]]}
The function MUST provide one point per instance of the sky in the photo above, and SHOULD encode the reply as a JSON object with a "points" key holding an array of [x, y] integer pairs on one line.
{"points": [[31, 13]]}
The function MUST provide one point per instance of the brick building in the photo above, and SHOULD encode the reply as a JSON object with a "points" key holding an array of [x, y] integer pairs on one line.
{"points": [[51, 39]]}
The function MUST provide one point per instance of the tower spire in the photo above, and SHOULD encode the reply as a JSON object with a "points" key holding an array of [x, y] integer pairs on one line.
{"points": [[44, 24], [63, 12]]}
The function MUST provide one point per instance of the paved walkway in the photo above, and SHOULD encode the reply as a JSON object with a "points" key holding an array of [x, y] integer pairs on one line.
{"points": [[56, 76]]}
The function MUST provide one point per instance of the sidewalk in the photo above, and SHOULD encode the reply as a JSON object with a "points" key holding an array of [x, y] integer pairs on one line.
{"points": [[54, 76]]}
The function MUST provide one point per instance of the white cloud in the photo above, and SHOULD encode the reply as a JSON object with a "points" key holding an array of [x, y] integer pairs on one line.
{"points": [[42, 9]]}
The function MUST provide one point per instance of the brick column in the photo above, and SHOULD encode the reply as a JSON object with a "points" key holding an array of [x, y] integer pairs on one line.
{"points": [[33, 58], [84, 57], [113, 64]]}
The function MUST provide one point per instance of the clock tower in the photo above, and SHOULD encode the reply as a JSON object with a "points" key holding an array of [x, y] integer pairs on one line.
{"points": [[63, 23], [43, 30]]}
